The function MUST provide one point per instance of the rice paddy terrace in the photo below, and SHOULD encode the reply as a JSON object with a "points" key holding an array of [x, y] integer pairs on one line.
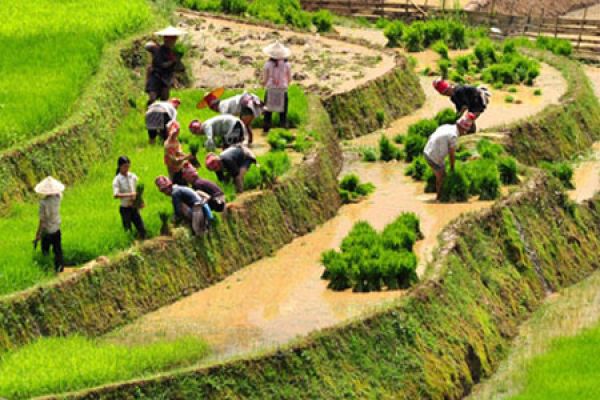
{"points": [[243, 312]]}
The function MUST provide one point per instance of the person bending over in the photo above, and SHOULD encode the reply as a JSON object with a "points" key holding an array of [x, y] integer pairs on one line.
{"points": [[225, 130], [231, 164]]}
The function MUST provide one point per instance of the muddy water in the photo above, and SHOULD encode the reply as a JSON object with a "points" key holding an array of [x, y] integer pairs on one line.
{"points": [[586, 177]]}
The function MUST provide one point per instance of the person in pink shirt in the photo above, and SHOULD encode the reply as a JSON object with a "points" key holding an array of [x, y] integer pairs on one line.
{"points": [[276, 80]]}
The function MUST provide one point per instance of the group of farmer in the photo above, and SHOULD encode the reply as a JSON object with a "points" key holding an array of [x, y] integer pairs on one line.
{"points": [[194, 199]]}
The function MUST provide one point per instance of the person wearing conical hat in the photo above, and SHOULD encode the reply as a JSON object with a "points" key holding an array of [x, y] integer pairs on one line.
{"points": [[48, 231], [277, 76], [245, 106], [165, 60]]}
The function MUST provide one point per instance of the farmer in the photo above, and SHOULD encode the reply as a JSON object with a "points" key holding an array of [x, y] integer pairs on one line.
{"points": [[49, 226], [277, 75], [174, 156], [205, 188], [232, 163], [187, 204], [442, 143], [125, 189], [225, 129], [165, 60], [159, 114], [465, 98], [246, 106]]}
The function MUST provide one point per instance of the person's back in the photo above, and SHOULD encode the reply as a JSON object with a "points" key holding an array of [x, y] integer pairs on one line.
{"points": [[163, 107], [226, 126], [50, 213], [231, 105], [469, 97], [440, 142]]}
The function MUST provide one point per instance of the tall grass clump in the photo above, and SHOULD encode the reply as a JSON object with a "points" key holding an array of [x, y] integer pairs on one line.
{"points": [[353, 190], [370, 261], [387, 150], [50, 49], [58, 365]]}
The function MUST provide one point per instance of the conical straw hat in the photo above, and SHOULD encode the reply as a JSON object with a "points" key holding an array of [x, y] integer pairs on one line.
{"points": [[49, 186], [277, 50], [170, 31]]}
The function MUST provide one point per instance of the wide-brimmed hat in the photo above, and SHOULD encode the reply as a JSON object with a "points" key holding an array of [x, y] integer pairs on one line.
{"points": [[49, 186], [277, 51], [170, 31], [210, 97]]}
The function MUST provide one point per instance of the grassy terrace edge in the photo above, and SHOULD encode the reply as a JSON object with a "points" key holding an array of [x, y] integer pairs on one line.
{"points": [[164, 269]]}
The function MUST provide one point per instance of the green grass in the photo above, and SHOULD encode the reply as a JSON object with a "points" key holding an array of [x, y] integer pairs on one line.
{"points": [[58, 365], [50, 49], [91, 224], [569, 370]]}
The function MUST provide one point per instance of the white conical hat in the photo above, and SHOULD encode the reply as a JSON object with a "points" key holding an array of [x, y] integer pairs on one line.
{"points": [[49, 186], [170, 31], [277, 50]]}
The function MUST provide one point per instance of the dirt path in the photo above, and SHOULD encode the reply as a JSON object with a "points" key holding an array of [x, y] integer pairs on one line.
{"points": [[229, 54]]}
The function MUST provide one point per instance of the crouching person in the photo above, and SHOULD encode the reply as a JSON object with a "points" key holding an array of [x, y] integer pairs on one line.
{"points": [[224, 129], [187, 205], [158, 117], [231, 164], [442, 143], [49, 226], [205, 188]]}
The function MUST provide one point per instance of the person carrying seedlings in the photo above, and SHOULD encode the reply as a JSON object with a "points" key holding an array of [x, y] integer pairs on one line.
{"points": [[187, 204], [48, 231], [175, 158], [246, 106], [442, 143], [205, 188], [125, 187], [158, 116], [227, 130], [231, 164], [466, 98], [277, 76], [165, 61]]}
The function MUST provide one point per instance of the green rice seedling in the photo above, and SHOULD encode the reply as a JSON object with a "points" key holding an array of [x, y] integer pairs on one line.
{"points": [[411, 221], [382, 23], [537, 92], [323, 20], [484, 179], [399, 138], [507, 166], [423, 128], [489, 150], [414, 146], [368, 154], [336, 270], [509, 99], [456, 77], [393, 31], [271, 166], [50, 50], [462, 64], [352, 189], [387, 151], [165, 230], [380, 116], [456, 186], [429, 179], [398, 237], [426, 71], [435, 31], [202, 5], [235, 7], [457, 35], [561, 170], [279, 139], [398, 269], [139, 198], [498, 85], [485, 53], [509, 47], [561, 47], [441, 48], [463, 155], [446, 116], [512, 89], [413, 37], [194, 149], [444, 67], [362, 234], [58, 365], [417, 168], [304, 141]]}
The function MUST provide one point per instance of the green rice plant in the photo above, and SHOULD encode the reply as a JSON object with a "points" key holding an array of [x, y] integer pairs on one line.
{"points": [[414, 146], [462, 64], [441, 48], [423, 128], [398, 269], [362, 234], [489, 150], [435, 31], [368, 154], [561, 170], [58, 365], [280, 139], [323, 20], [139, 198], [485, 53], [512, 89], [399, 138], [398, 237], [446, 116], [507, 166], [426, 71], [484, 179], [382, 23], [271, 166], [202, 5], [50, 50], [509, 99], [456, 77], [380, 116], [393, 31], [280, 12], [509, 47], [561, 47], [412, 222], [353, 190], [537, 92], [417, 168], [456, 186], [336, 270], [165, 230], [444, 67], [304, 141], [463, 155], [236, 7], [429, 179], [457, 35], [387, 150], [413, 37]]}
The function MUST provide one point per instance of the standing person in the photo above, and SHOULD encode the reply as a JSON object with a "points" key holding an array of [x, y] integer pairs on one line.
{"points": [[246, 106], [226, 129], [49, 224], [174, 156], [442, 143], [465, 98], [159, 115], [277, 76], [187, 204], [125, 189], [231, 164], [206, 188], [165, 60]]}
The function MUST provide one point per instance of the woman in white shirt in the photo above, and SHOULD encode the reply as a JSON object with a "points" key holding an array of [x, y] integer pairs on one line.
{"points": [[276, 79], [124, 188]]}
